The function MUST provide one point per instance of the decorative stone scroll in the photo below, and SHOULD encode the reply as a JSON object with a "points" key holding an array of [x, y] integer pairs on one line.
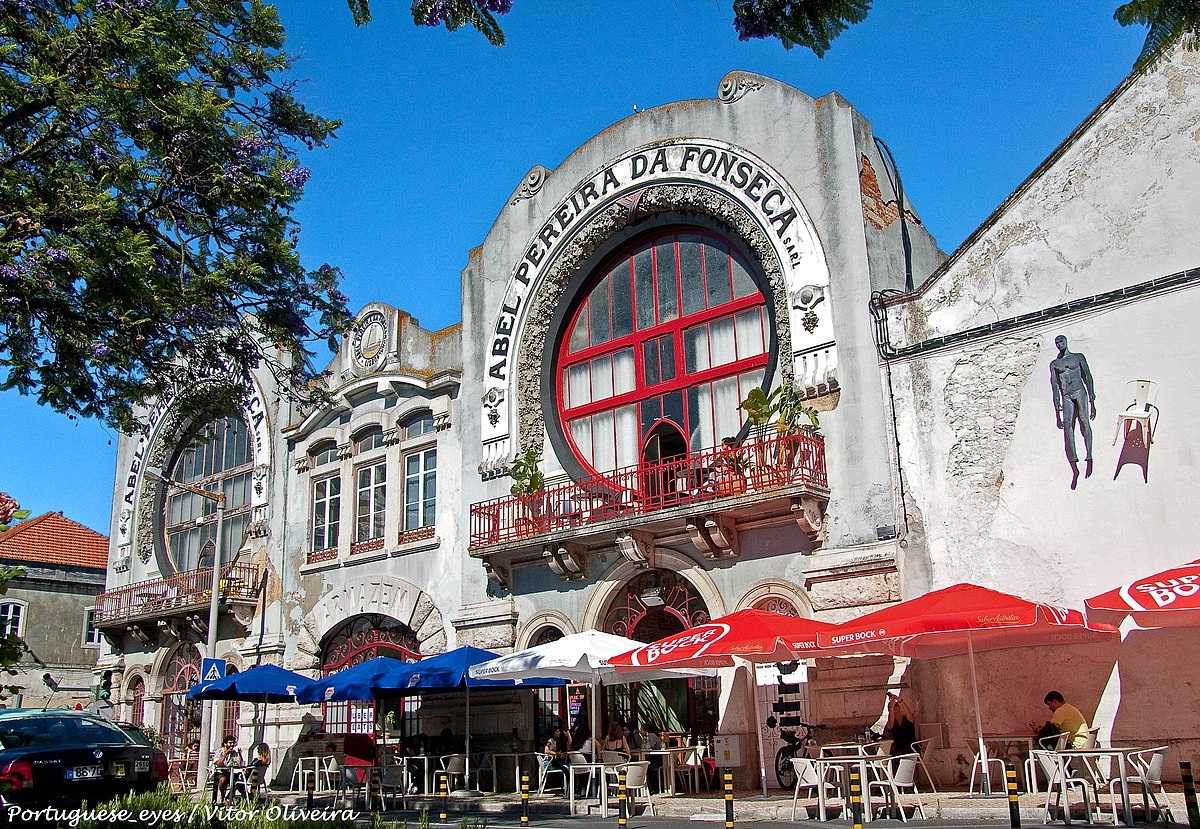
{"points": [[531, 184], [735, 86]]}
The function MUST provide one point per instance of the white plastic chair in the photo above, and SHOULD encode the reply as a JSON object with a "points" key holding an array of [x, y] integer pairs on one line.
{"points": [[307, 768], [1049, 763], [1054, 742], [687, 769], [977, 765], [921, 747], [1140, 411], [808, 779], [546, 768], [1146, 767], [578, 758], [637, 784], [903, 776], [454, 766]]}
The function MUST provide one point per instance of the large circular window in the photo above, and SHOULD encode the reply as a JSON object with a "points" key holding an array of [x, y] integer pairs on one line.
{"points": [[665, 342], [217, 457]]}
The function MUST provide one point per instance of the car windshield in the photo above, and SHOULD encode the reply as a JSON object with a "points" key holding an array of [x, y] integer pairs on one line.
{"points": [[20, 732]]}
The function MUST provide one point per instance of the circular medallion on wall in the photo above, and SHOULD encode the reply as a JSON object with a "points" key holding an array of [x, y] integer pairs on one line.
{"points": [[370, 339]]}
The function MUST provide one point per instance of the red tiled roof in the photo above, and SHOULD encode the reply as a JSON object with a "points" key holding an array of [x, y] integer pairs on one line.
{"points": [[53, 539]]}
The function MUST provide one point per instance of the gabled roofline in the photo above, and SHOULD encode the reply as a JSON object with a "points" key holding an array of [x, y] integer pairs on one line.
{"points": [[890, 299]]}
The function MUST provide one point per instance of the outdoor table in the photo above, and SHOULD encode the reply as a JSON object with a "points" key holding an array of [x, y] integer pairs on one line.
{"points": [[823, 764], [671, 760], [515, 756], [426, 770], [843, 750], [1084, 754], [593, 769], [1005, 740]]}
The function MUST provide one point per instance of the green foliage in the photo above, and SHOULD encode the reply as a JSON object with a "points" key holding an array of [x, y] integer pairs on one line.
{"points": [[812, 24], [784, 407], [148, 178], [1170, 22], [527, 477]]}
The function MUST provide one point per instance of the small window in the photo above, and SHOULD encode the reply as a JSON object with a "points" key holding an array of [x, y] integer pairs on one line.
{"points": [[368, 439], [326, 513], [12, 619], [420, 489], [91, 636], [420, 425], [370, 505], [324, 452]]}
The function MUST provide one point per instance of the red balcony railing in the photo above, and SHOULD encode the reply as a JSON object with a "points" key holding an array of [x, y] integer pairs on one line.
{"points": [[179, 592], [759, 465]]}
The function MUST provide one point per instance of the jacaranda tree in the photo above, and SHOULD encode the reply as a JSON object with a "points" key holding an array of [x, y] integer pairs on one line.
{"points": [[148, 176]]}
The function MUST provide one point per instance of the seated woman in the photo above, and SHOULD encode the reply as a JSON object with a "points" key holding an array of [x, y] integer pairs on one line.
{"points": [[615, 740], [227, 758], [260, 763]]}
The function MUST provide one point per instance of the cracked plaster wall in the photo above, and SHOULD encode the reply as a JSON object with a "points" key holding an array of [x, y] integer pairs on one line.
{"points": [[1116, 208]]}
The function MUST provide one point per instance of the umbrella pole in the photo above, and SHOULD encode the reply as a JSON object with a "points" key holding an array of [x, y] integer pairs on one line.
{"points": [[595, 717], [467, 776], [762, 756], [983, 757]]}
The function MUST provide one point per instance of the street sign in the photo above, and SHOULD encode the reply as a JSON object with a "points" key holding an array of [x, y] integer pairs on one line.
{"points": [[212, 669]]}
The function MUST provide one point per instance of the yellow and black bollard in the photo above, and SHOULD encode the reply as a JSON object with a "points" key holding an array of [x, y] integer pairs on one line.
{"points": [[622, 801], [727, 784], [1014, 803], [444, 790], [1189, 794], [524, 799], [856, 806]]}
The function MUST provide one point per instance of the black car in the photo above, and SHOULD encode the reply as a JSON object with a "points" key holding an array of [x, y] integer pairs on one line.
{"points": [[60, 758]]}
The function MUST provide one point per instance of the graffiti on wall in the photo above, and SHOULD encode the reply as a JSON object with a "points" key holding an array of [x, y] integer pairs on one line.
{"points": [[1074, 395]]}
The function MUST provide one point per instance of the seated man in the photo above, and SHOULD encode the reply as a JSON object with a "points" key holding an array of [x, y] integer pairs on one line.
{"points": [[1065, 718]]}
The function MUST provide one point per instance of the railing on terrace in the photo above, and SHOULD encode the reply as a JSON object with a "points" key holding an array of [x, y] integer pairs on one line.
{"points": [[183, 590], [759, 465]]}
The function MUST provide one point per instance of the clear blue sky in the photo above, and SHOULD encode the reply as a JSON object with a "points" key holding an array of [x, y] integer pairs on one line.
{"points": [[440, 127]]}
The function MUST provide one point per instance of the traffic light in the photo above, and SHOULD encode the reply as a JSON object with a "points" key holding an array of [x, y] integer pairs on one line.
{"points": [[105, 690]]}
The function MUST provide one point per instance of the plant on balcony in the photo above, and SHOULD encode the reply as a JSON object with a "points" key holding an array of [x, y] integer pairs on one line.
{"points": [[528, 482], [784, 410]]}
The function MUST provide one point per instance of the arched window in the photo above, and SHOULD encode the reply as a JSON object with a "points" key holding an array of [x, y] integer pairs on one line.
{"points": [[135, 698], [12, 618], [353, 641], [323, 452], [368, 439], [417, 425], [180, 721], [669, 338], [219, 457], [233, 710]]}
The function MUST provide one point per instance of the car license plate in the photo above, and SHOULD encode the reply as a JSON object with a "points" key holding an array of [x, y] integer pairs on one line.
{"points": [[118, 769], [141, 765], [85, 773]]}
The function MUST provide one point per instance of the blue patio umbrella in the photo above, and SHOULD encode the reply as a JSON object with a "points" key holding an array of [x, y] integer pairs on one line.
{"points": [[364, 681], [262, 683]]}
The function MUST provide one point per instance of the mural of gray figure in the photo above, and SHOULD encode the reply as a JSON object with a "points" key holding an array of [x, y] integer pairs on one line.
{"points": [[1074, 403]]}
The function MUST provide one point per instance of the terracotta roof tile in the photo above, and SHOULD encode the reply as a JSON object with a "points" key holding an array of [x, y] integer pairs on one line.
{"points": [[54, 539]]}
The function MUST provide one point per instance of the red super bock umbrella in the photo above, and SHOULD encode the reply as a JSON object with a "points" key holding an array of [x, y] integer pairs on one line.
{"points": [[958, 620], [753, 635], [1167, 599]]}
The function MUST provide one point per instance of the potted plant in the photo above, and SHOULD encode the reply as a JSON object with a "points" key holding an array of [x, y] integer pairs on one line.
{"points": [[784, 409], [527, 485]]}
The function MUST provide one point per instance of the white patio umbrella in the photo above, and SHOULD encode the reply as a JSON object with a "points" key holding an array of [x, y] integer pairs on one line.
{"points": [[577, 657]]}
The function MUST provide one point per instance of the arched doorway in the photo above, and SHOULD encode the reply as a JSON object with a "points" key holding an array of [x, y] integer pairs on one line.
{"points": [[179, 724], [354, 641], [230, 713], [651, 605], [135, 699]]}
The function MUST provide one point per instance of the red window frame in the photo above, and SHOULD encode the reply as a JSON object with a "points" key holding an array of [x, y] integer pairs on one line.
{"points": [[676, 327]]}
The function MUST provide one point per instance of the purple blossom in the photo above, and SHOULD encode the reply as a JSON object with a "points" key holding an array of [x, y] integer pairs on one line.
{"points": [[99, 154], [12, 271], [436, 14], [55, 254], [498, 6], [296, 177], [248, 146], [100, 351], [750, 24]]}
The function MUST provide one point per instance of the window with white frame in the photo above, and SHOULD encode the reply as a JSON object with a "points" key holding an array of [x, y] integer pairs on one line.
{"points": [[371, 488], [418, 425], [323, 453], [420, 489], [368, 439], [326, 512], [91, 635], [12, 618]]}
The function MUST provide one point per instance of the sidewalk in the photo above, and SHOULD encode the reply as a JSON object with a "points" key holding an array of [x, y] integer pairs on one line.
{"points": [[749, 806]]}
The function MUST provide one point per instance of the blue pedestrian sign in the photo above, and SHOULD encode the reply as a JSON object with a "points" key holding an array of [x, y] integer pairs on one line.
{"points": [[212, 669]]}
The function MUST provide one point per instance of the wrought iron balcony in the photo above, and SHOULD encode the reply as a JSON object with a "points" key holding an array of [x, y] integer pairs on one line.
{"points": [[182, 594], [696, 493]]}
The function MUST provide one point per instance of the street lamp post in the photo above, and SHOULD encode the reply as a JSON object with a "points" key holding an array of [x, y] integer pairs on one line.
{"points": [[214, 605]]}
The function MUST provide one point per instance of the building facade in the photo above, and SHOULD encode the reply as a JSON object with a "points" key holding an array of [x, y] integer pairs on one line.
{"points": [[51, 607], [576, 453]]}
